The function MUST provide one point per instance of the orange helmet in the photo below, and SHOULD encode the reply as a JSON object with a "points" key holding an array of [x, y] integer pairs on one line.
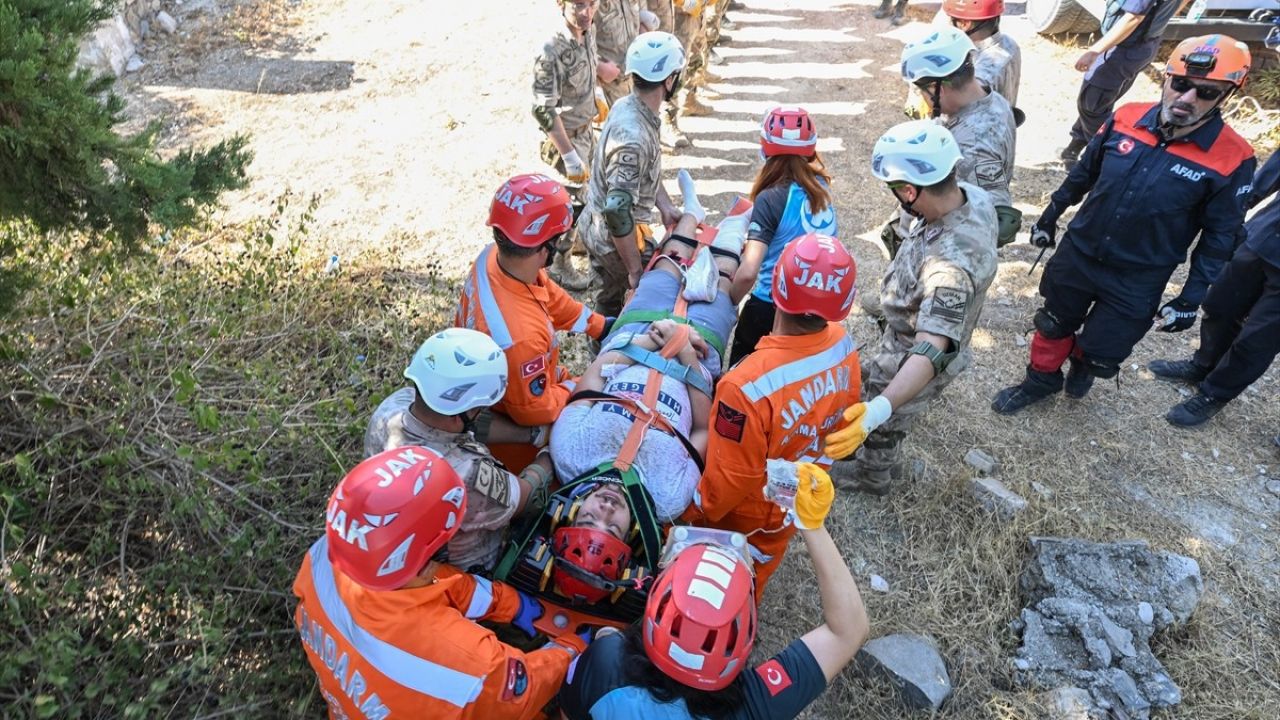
{"points": [[1212, 57]]}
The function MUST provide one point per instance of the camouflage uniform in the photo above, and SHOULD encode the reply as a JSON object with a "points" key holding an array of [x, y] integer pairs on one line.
{"points": [[492, 492], [984, 130], [617, 23], [692, 36], [628, 157], [999, 66], [713, 19], [665, 12], [937, 283], [564, 82]]}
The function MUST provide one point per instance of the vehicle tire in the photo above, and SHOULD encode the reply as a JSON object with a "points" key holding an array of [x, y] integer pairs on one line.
{"points": [[1059, 17]]}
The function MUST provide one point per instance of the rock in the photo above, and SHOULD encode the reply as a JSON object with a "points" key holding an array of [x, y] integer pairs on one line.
{"points": [[912, 664], [1019, 341], [996, 498], [1042, 490], [879, 584], [981, 461], [1273, 487], [1070, 703], [144, 29], [167, 23], [134, 65], [108, 48], [1216, 453], [1092, 611]]}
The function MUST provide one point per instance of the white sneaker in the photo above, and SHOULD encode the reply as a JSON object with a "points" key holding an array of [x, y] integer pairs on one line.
{"points": [[702, 279]]}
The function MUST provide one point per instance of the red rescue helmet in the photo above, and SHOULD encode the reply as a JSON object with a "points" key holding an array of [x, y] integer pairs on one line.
{"points": [[700, 619], [588, 562], [788, 131], [391, 513], [1212, 57], [973, 9], [815, 275], [530, 210]]}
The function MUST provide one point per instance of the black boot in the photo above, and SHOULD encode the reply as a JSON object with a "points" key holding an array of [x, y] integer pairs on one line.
{"points": [[883, 11], [1034, 388], [1071, 153], [1079, 379], [899, 11], [1194, 411], [1186, 371]]}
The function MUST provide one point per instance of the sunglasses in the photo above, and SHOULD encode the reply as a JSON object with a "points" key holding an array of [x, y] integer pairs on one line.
{"points": [[896, 184], [1181, 85]]}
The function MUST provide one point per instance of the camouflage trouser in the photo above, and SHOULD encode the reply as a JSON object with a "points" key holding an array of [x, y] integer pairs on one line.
{"points": [[583, 140], [712, 18], [690, 32], [881, 449], [665, 12], [618, 89]]}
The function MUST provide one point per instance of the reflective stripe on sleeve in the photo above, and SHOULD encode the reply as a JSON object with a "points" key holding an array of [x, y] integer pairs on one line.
{"points": [[481, 599], [798, 370], [408, 670], [489, 304], [581, 325]]}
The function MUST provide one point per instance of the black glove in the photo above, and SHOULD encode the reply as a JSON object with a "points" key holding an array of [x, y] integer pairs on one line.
{"points": [[1044, 234], [608, 326], [1178, 315]]}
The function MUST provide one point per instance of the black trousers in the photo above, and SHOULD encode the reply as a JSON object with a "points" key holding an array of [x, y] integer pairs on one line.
{"points": [[754, 322], [1240, 331], [1112, 79], [1111, 307]]}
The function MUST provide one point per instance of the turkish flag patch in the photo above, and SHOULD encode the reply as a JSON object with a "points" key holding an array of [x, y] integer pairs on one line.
{"points": [[774, 676], [730, 422], [533, 367]]}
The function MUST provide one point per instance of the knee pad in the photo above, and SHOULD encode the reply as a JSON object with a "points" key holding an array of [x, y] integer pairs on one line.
{"points": [[1104, 369], [1051, 327], [617, 213]]}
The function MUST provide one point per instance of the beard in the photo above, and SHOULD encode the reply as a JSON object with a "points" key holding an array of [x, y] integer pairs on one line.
{"points": [[1185, 116]]}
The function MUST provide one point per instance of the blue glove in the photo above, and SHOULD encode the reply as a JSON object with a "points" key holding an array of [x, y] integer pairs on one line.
{"points": [[530, 611]]}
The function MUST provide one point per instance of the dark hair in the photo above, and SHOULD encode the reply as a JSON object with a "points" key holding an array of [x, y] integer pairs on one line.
{"points": [[806, 323], [639, 671], [943, 186], [506, 247], [804, 171], [645, 85], [963, 75]]}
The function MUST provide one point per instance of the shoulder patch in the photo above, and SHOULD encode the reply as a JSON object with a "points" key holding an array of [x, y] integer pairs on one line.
{"points": [[517, 680], [989, 171], [949, 304], [534, 366], [491, 481], [774, 676], [538, 385], [730, 423]]}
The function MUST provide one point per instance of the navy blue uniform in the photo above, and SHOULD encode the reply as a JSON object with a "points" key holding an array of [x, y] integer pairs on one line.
{"points": [[777, 689], [1240, 331], [1148, 199], [1111, 78]]}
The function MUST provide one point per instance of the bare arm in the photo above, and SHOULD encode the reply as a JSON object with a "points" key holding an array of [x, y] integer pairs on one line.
{"points": [[1123, 28], [748, 270], [559, 137], [845, 625], [915, 373]]}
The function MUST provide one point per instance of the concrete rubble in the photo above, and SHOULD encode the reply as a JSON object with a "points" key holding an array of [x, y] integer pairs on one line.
{"points": [[912, 664], [995, 497], [1086, 630], [981, 461]]}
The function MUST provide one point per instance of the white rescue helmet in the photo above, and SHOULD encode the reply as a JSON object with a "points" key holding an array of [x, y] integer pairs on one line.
{"points": [[936, 55], [919, 152], [458, 369], [654, 56]]}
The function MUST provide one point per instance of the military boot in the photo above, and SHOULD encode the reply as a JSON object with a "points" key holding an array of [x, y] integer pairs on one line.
{"points": [[882, 12], [693, 107], [566, 275], [1070, 154], [860, 479], [1034, 388], [1079, 379], [1186, 371], [899, 13], [671, 135], [1195, 411]]}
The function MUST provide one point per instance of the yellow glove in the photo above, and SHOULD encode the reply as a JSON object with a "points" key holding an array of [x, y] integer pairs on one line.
{"points": [[814, 496], [863, 419], [916, 106], [602, 107], [691, 7]]}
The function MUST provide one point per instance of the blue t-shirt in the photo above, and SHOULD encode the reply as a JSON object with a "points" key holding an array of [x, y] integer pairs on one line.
{"points": [[777, 689], [781, 214]]}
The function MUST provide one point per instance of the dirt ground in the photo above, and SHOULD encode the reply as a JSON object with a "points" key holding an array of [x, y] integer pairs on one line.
{"points": [[404, 116]]}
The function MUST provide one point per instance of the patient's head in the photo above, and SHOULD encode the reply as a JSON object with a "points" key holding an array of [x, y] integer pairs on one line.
{"points": [[605, 508]]}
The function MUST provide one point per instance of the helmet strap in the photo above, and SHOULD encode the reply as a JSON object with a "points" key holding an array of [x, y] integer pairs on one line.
{"points": [[907, 206], [934, 99], [675, 85]]}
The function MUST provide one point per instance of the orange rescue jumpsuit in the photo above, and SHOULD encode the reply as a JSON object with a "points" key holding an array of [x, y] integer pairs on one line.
{"points": [[417, 652], [523, 319], [778, 402]]}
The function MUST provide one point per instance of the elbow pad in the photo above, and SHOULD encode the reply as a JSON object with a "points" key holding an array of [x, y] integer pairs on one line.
{"points": [[939, 358], [545, 116], [617, 213]]}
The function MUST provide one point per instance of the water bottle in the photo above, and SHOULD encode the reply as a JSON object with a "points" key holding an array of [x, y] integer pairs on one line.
{"points": [[1197, 10], [331, 266]]}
